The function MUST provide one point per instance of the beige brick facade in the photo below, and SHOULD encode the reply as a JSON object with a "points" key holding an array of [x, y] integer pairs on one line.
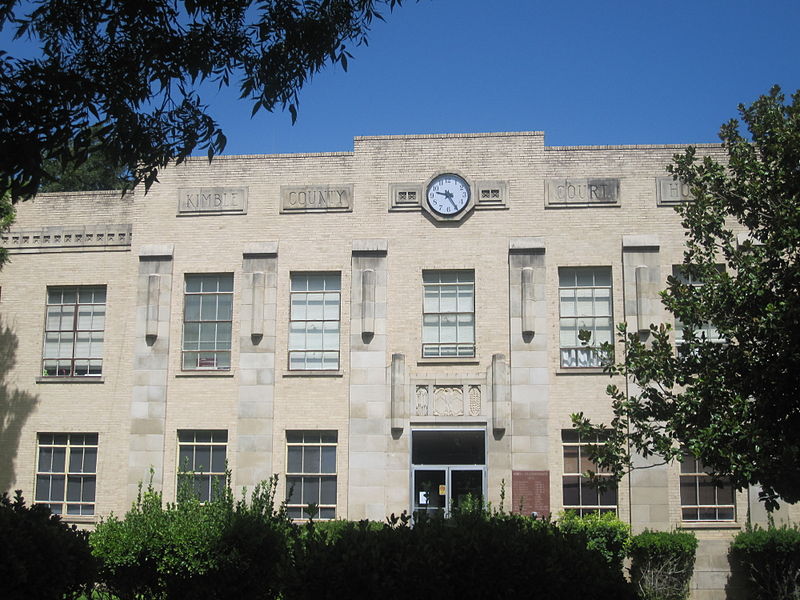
{"points": [[359, 216]]}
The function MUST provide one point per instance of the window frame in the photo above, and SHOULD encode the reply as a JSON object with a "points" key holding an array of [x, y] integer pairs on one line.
{"points": [[86, 507], [75, 331], [218, 341], [305, 351], [596, 360], [471, 347], [214, 480], [570, 438], [298, 438], [700, 474]]}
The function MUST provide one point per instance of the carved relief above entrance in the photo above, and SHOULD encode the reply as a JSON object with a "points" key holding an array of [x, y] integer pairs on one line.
{"points": [[448, 400]]}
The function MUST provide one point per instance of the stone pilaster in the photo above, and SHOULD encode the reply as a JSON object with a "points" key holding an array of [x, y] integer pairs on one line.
{"points": [[150, 368], [529, 368], [256, 364], [642, 282], [372, 482]]}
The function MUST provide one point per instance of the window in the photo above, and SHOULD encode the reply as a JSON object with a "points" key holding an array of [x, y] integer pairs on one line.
{"points": [[448, 319], [703, 499], [580, 494], [202, 456], [705, 330], [311, 474], [314, 321], [73, 337], [585, 305], [207, 316], [66, 472]]}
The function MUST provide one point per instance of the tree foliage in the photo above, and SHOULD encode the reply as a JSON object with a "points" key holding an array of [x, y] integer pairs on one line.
{"points": [[98, 172], [734, 404], [126, 74]]}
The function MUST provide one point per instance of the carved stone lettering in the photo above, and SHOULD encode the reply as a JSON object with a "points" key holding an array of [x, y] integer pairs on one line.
{"points": [[670, 191], [581, 192], [212, 200], [317, 198]]}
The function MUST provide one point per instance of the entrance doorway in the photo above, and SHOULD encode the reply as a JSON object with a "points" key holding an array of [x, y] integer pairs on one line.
{"points": [[448, 468]]}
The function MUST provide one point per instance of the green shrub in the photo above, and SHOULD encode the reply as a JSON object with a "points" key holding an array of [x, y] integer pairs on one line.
{"points": [[604, 533], [662, 563], [770, 561], [217, 550], [40, 556], [471, 555]]}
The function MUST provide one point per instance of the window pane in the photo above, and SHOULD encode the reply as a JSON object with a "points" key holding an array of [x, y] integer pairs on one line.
{"points": [[311, 459], [59, 460], [688, 490], [331, 306], [316, 283], [298, 307], [571, 491], [447, 328], [202, 458], [571, 459], [706, 491], [310, 490], [327, 490], [294, 459], [225, 307], [328, 459], [431, 299], [218, 459], [294, 490]]}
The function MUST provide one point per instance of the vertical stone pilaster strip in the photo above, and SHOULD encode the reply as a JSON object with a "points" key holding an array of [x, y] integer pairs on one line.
{"points": [[501, 408], [255, 416], [153, 281], [399, 388], [529, 369], [373, 476], [368, 302], [642, 282], [528, 312], [257, 322], [150, 368]]}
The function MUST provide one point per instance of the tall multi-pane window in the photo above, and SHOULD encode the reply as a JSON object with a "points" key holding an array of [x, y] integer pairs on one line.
{"points": [[448, 319], [311, 474], [705, 330], [580, 494], [585, 306], [202, 455], [73, 337], [314, 321], [702, 498], [207, 316], [66, 472]]}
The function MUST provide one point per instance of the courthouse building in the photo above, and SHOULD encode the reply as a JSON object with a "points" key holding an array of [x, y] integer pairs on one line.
{"points": [[386, 329]]}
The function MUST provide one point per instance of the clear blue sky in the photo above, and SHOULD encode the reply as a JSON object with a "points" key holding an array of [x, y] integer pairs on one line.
{"points": [[583, 71]]}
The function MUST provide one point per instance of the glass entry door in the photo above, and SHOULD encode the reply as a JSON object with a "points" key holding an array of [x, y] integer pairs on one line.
{"points": [[446, 488], [448, 467]]}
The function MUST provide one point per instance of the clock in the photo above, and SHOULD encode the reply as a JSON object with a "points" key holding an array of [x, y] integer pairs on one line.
{"points": [[448, 194]]}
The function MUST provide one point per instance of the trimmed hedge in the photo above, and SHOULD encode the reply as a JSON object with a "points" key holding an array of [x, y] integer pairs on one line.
{"points": [[662, 563], [604, 533], [40, 556], [770, 561], [470, 555]]}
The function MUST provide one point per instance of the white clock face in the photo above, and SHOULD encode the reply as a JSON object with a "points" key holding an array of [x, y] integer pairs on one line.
{"points": [[448, 194]]}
